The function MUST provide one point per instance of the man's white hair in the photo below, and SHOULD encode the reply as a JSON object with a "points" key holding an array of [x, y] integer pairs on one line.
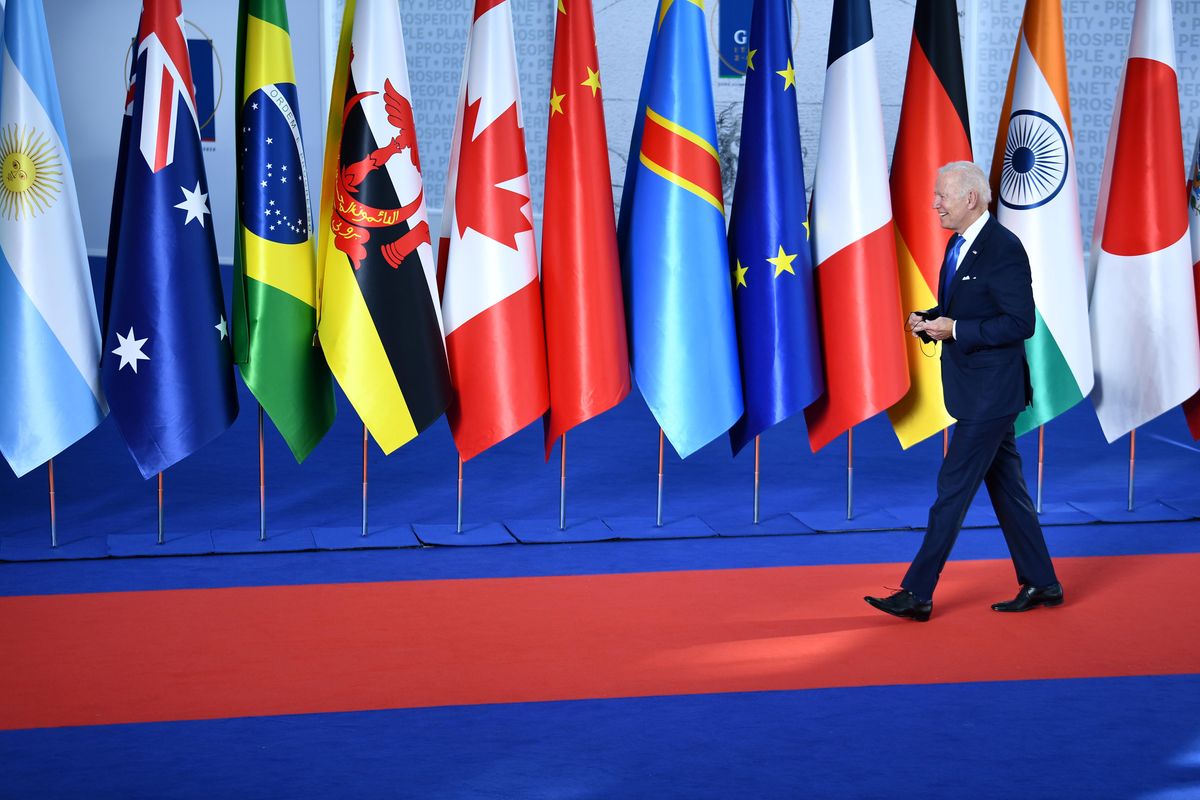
{"points": [[966, 176]]}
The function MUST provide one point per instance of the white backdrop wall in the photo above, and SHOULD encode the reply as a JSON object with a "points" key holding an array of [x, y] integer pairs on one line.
{"points": [[90, 39]]}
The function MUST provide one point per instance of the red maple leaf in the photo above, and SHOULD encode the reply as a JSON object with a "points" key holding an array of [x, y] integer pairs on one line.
{"points": [[496, 155]]}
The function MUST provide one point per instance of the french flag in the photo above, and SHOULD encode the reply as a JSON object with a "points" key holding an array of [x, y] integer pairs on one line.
{"points": [[1143, 301], [854, 247]]}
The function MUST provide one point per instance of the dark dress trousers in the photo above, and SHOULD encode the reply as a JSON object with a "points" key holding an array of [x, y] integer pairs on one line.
{"points": [[985, 381]]}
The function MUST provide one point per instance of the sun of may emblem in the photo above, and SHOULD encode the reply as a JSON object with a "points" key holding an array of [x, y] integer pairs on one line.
{"points": [[31, 173]]}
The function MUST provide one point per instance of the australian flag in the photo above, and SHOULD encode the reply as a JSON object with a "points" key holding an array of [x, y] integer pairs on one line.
{"points": [[166, 363]]}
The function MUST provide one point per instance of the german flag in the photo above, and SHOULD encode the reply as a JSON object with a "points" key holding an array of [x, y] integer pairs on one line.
{"points": [[933, 131], [379, 323]]}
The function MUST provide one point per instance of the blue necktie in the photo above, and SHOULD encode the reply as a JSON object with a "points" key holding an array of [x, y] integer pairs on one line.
{"points": [[950, 267]]}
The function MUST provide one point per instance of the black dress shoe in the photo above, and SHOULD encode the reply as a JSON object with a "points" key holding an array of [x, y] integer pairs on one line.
{"points": [[903, 604], [1032, 596]]}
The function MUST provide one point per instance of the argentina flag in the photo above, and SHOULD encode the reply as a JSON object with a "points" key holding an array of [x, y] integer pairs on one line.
{"points": [[167, 365], [50, 394]]}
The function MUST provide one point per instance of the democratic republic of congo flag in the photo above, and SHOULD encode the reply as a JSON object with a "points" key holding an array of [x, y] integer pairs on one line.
{"points": [[1036, 196], [275, 281], [378, 319], [674, 254], [934, 130]]}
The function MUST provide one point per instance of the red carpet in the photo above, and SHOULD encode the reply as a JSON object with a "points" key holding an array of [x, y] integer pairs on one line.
{"points": [[202, 654]]}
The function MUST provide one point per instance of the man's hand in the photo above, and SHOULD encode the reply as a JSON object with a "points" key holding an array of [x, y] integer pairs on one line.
{"points": [[940, 329], [913, 320]]}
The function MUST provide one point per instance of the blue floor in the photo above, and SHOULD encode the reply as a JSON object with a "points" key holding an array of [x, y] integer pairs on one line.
{"points": [[1088, 739]]}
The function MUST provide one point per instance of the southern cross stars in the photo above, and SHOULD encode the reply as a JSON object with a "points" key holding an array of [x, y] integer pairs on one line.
{"points": [[130, 350], [195, 204]]}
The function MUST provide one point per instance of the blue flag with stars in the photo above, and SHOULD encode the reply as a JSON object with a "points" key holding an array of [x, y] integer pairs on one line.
{"points": [[166, 363], [277, 206], [773, 291]]}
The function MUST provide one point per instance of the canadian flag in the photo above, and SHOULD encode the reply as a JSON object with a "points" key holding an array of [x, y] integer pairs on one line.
{"points": [[1143, 302], [491, 299]]}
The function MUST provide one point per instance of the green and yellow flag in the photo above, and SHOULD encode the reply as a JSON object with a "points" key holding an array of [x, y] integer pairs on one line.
{"points": [[274, 290]]}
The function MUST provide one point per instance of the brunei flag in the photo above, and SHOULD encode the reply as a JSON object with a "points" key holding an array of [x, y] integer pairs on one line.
{"points": [[1036, 189], [275, 281], [378, 321], [933, 131]]}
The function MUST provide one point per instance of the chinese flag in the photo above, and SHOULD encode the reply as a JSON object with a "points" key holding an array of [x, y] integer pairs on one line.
{"points": [[581, 281]]}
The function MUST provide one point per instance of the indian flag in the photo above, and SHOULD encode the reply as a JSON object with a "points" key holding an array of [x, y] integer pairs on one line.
{"points": [[1037, 197]]}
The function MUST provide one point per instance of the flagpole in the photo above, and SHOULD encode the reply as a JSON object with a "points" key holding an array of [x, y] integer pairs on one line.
{"points": [[756, 480], [658, 508], [1041, 458], [1132, 444], [53, 511], [850, 473], [945, 441], [364, 503], [262, 481], [161, 540], [562, 485], [458, 525]]}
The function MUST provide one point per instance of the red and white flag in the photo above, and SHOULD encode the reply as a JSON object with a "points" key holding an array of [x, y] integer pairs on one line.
{"points": [[854, 247], [491, 300], [1191, 408], [1143, 301], [581, 273]]}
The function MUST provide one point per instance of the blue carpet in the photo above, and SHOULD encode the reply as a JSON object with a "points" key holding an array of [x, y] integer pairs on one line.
{"points": [[1094, 738]]}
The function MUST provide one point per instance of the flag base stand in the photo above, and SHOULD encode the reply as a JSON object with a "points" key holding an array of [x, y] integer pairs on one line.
{"points": [[648, 528], [1063, 514], [546, 531], [774, 525], [864, 520], [191, 543], [1118, 511], [13, 548], [247, 541], [487, 533], [350, 538]]}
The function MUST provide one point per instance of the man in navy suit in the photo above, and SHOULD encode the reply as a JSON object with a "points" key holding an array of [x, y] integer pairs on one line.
{"points": [[983, 317]]}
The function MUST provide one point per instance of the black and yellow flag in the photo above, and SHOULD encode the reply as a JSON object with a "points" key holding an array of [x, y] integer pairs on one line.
{"points": [[379, 322]]}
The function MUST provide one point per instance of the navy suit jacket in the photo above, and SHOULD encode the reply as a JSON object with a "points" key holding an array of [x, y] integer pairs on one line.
{"points": [[984, 372]]}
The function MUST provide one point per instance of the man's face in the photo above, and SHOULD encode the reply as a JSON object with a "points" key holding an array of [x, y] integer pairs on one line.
{"points": [[954, 206]]}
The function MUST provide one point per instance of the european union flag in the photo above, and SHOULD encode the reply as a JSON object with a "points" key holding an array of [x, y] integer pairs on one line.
{"points": [[773, 292], [166, 363], [674, 257]]}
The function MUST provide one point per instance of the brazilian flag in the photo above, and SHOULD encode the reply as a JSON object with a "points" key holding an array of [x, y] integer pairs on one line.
{"points": [[274, 294]]}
